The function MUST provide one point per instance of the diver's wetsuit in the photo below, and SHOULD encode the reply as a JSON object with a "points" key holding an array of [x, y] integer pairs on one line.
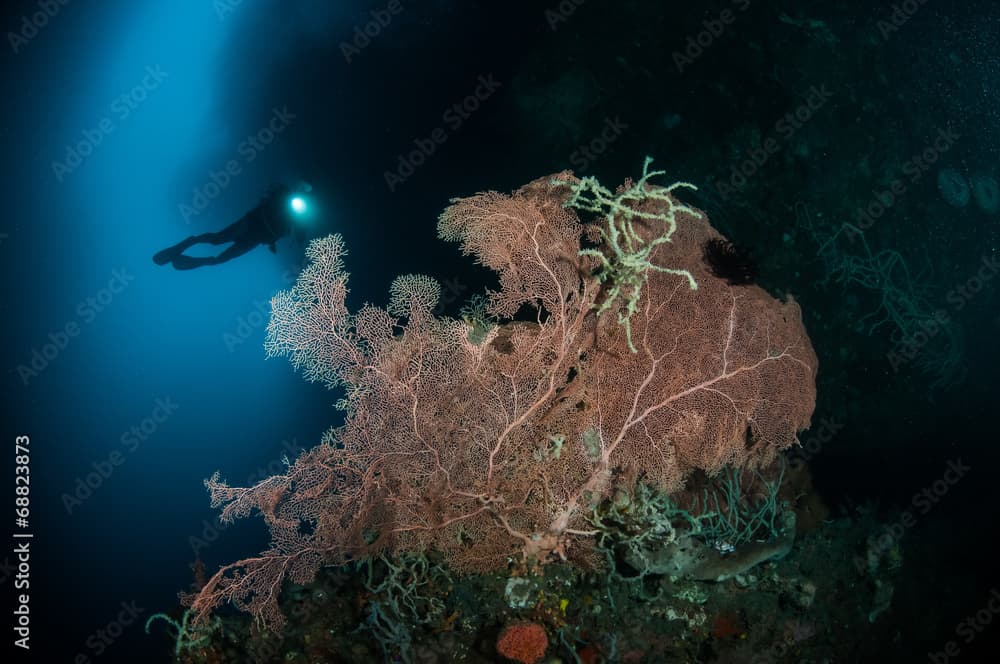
{"points": [[265, 224]]}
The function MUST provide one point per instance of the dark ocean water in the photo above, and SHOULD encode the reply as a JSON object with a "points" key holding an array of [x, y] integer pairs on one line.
{"points": [[128, 126]]}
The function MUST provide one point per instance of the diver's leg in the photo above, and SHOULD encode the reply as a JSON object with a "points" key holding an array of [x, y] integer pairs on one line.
{"points": [[231, 233], [237, 249], [165, 256], [170, 253], [218, 237], [185, 262]]}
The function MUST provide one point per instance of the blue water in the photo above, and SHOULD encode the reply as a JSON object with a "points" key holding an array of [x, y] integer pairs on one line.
{"points": [[127, 126], [146, 379]]}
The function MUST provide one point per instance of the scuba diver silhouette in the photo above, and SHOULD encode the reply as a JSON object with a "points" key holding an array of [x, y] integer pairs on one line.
{"points": [[273, 218]]}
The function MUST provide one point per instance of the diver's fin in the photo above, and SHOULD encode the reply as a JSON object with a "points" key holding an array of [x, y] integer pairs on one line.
{"points": [[170, 253], [165, 256], [184, 262]]}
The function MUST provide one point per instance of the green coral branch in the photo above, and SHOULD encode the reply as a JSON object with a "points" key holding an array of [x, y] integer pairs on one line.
{"points": [[624, 258], [726, 515], [185, 636], [477, 316], [729, 517]]}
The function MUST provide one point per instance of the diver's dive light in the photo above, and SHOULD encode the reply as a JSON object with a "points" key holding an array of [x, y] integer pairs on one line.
{"points": [[298, 204]]}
